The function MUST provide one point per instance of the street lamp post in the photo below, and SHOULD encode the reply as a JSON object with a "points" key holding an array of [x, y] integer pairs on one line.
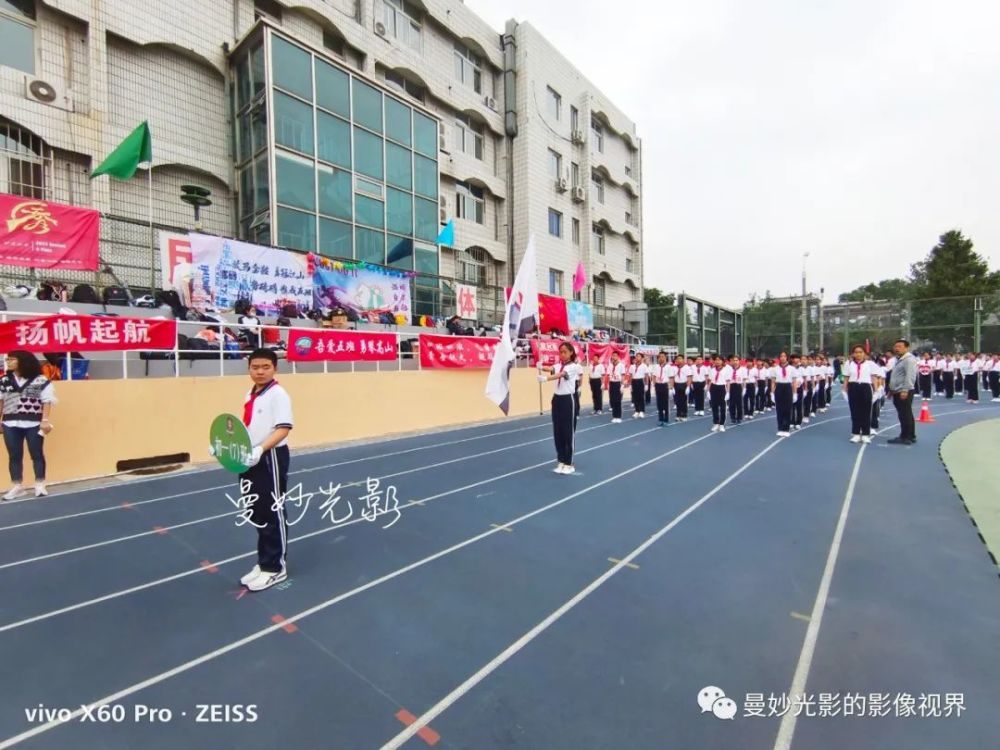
{"points": [[805, 308]]}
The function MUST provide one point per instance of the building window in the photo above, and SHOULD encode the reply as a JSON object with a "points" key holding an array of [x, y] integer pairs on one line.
{"points": [[470, 203], [468, 68], [628, 265], [469, 136], [405, 85], [17, 29], [472, 266], [598, 131], [261, 9], [24, 159], [576, 232], [597, 185], [597, 239], [553, 102], [555, 164], [334, 43], [574, 173], [574, 119], [599, 292], [555, 223], [628, 171], [555, 282], [402, 22]]}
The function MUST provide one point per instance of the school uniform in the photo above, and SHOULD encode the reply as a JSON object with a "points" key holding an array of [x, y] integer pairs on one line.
{"points": [[952, 373], [808, 376], [597, 387], [740, 376], [925, 377], [763, 388], [819, 395], [719, 382], [637, 375], [698, 385], [663, 375], [984, 371], [750, 392], [994, 375], [615, 375], [266, 482], [860, 395], [970, 376], [783, 378], [939, 365], [797, 394], [878, 399], [564, 410], [684, 373]]}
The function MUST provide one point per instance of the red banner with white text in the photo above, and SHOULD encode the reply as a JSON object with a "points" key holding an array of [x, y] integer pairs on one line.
{"points": [[87, 333], [340, 346], [40, 234], [456, 352], [603, 352], [546, 351]]}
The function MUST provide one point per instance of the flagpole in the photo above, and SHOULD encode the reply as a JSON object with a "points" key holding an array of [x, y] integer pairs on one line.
{"points": [[152, 238]]}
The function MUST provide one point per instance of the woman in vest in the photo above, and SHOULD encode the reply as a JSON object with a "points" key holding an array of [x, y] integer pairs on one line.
{"points": [[27, 402]]}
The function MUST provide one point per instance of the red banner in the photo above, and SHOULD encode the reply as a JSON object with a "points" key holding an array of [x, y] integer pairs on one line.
{"points": [[87, 333], [603, 351], [340, 346], [40, 234], [456, 352], [547, 350], [552, 315]]}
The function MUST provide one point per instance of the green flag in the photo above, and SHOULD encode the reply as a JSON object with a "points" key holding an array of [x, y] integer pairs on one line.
{"points": [[123, 161]]}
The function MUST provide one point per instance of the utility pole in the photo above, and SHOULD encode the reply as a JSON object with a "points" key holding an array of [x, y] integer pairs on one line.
{"points": [[820, 347], [805, 307]]}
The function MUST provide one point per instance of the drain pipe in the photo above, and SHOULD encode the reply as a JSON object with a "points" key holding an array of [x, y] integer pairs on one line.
{"points": [[510, 131]]}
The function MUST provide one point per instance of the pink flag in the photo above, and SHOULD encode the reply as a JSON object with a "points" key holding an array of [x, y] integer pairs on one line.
{"points": [[579, 279]]}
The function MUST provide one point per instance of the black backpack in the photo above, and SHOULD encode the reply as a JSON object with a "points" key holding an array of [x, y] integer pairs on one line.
{"points": [[171, 299], [84, 294], [115, 295]]}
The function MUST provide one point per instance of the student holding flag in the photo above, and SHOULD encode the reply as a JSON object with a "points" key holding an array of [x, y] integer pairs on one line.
{"points": [[567, 372]]}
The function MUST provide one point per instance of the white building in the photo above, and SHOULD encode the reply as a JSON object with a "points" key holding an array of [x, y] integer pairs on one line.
{"points": [[331, 126]]}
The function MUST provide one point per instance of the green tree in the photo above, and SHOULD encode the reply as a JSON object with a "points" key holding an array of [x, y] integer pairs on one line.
{"points": [[885, 289], [767, 325], [661, 316]]}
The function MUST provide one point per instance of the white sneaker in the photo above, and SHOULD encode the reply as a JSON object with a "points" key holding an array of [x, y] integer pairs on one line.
{"points": [[568, 470], [266, 580], [805, 420], [251, 575], [866, 439], [715, 428], [635, 415], [784, 434], [616, 421], [855, 438], [41, 490], [14, 492], [559, 468], [722, 428]]}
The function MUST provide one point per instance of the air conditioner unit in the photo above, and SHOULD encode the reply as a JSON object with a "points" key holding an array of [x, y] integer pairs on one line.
{"points": [[443, 213], [380, 28], [52, 93], [561, 185], [442, 143], [577, 136], [490, 102], [578, 194], [443, 202]]}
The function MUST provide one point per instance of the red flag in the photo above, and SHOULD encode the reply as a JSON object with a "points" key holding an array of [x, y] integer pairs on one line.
{"points": [[40, 234], [579, 278], [552, 314]]}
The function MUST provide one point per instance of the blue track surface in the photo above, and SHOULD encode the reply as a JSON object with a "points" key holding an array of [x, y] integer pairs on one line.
{"points": [[492, 611]]}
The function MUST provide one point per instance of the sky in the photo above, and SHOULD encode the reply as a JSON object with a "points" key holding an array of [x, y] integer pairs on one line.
{"points": [[858, 131]]}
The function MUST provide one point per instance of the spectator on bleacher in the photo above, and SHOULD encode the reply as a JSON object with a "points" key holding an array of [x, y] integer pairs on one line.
{"points": [[250, 327], [27, 403]]}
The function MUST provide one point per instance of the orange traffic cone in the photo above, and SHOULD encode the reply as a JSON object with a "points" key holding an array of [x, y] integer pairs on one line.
{"points": [[925, 412]]}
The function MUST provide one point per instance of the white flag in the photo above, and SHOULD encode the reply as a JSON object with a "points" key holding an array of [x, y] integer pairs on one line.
{"points": [[520, 318]]}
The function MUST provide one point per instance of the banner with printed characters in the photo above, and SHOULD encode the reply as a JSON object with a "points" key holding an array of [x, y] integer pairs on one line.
{"points": [[580, 314], [340, 346], [225, 271], [366, 289], [87, 333], [456, 352], [546, 351], [40, 234], [603, 352]]}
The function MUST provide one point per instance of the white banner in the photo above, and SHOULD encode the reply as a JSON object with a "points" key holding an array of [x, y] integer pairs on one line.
{"points": [[466, 305], [229, 270], [175, 264]]}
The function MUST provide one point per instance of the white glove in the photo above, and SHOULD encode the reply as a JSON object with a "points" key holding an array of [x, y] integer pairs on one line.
{"points": [[795, 397], [211, 450], [727, 395], [845, 395], [255, 456]]}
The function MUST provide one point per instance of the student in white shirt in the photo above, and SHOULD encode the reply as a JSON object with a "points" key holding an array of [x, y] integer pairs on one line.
{"points": [[984, 370], [597, 384], [638, 376], [567, 372], [740, 378], [682, 382], [878, 397], [952, 376], [859, 385], [267, 414], [970, 378], [701, 370], [797, 415], [938, 360], [750, 390], [783, 386], [663, 381], [719, 381], [616, 374], [995, 377], [925, 375]]}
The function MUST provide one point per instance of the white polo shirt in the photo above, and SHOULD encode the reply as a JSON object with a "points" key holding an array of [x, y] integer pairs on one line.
{"points": [[597, 371], [784, 374], [741, 375], [685, 372], [663, 373], [616, 372], [722, 376], [566, 385], [638, 372], [865, 372], [272, 408]]}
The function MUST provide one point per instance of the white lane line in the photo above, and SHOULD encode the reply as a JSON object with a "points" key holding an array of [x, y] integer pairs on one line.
{"points": [[209, 656], [787, 728], [167, 579], [442, 705]]}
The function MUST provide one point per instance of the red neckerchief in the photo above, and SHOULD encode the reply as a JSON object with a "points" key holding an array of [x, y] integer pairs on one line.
{"points": [[784, 371], [718, 371], [858, 364], [254, 395]]}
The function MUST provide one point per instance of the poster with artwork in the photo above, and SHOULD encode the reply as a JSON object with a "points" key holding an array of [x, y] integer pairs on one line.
{"points": [[366, 290]]}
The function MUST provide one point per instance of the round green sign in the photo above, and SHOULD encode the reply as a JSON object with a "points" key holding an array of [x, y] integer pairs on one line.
{"points": [[231, 441]]}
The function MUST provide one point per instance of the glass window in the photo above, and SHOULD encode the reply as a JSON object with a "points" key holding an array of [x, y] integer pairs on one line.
{"points": [[295, 178], [334, 192], [257, 69], [425, 216], [553, 102], [399, 166], [293, 123], [468, 68], [555, 164], [597, 186], [369, 211], [402, 22], [425, 177], [335, 238], [332, 89], [555, 223], [469, 202], [426, 261], [555, 282], [574, 119], [374, 189], [599, 293], [291, 67], [425, 135], [400, 253], [397, 121], [574, 173], [258, 126], [246, 191], [242, 82], [406, 85], [693, 312], [469, 136], [597, 239], [245, 145], [711, 317], [17, 30], [369, 245], [576, 231], [399, 208], [367, 153], [367, 106], [598, 131], [296, 229], [261, 183], [333, 140]]}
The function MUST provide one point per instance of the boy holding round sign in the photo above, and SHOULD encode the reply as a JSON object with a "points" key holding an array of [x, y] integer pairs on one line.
{"points": [[257, 449]]}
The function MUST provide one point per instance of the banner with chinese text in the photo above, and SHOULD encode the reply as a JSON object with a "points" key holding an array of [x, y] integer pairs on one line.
{"points": [[40, 234], [456, 352], [546, 351], [340, 346], [228, 270], [87, 333], [466, 304], [603, 352]]}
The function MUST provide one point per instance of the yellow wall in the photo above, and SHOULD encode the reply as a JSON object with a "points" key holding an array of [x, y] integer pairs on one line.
{"points": [[100, 422]]}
